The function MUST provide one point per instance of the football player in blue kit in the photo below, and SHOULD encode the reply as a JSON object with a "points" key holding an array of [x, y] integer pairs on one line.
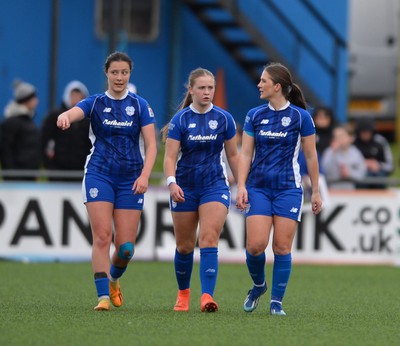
{"points": [[197, 180], [269, 181], [116, 175]]}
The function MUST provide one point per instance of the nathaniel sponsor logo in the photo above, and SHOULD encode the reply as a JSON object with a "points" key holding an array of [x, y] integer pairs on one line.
{"points": [[272, 134], [202, 138], [117, 123]]}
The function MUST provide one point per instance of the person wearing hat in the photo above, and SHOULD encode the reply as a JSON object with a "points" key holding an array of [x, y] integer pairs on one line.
{"points": [[20, 142], [66, 150], [376, 151]]}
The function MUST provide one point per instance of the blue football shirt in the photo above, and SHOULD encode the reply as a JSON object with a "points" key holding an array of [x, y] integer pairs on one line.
{"points": [[115, 127], [202, 137], [277, 135]]}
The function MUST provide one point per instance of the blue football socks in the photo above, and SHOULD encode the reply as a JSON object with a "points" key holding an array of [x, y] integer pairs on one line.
{"points": [[116, 272], [280, 276], [183, 269], [256, 267], [102, 286], [208, 269]]}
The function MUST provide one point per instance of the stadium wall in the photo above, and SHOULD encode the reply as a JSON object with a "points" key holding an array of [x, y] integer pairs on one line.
{"points": [[32, 38], [48, 222]]}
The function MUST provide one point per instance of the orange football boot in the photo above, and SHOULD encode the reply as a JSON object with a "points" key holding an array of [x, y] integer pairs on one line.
{"points": [[116, 296], [182, 300], [208, 304]]}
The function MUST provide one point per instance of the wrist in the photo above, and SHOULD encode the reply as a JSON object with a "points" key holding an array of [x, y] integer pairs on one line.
{"points": [[171, 179]]}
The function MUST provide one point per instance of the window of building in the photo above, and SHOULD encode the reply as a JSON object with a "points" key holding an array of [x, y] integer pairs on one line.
{"points": [[137, 20]]}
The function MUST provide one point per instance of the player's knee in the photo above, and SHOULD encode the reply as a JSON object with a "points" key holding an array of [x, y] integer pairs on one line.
{"points": [[126, 251], [281, 248], [255, 249]]}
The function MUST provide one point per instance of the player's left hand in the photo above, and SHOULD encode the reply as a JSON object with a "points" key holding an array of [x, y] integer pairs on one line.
{"points": [[316, 203], [140, 185]]}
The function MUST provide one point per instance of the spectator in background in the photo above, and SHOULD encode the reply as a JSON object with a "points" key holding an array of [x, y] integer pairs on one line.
{"points": [[132, 88], [376, 151], [20, 142], [342, 162], [66, 150], [324, 125]]}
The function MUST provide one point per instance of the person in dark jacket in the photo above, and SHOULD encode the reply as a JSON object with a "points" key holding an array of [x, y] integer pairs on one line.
{"points": [[324, 124], [376, 151], [66, 150], [20, 140]]}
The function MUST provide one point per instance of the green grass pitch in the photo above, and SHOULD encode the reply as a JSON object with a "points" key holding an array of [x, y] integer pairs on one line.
{"points": [[52, 304]]}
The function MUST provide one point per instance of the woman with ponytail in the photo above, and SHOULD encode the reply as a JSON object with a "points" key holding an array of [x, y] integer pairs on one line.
{"points": [[197, 181], [269, 181]]}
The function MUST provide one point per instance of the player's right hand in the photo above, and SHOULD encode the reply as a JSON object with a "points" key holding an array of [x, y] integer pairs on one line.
{"points": [[177, 193], [241, 198], [63, 122]]}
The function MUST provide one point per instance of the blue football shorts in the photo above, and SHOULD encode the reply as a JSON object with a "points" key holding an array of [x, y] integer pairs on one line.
{"points": [[281, 202], [98, 187], [194, 197]]}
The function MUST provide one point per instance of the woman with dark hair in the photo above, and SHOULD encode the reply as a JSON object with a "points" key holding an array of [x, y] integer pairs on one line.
{"points": [[269, 181], [116, 175], [197, 181], [376, 151], [324, 124]]}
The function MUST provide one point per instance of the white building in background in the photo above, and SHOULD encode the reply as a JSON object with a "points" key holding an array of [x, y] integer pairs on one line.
{"points": [[374, 60]]}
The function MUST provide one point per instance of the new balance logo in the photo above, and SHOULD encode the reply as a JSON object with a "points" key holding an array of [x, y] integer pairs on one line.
{"points": [[107, 110], [294, 210], [224, 197], [192, 126], [210, 270], [265, 121]]}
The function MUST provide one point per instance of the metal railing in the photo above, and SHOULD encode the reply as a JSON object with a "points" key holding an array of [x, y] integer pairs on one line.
{"points": [[56, 174]]}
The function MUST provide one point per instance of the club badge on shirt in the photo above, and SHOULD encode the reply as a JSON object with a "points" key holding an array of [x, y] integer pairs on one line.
{"points": [[130, 110], [213, 124]]}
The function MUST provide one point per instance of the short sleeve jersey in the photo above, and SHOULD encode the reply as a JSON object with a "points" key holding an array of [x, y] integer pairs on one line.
{"points": [[277, 136], [202, 137], [115, 127]]}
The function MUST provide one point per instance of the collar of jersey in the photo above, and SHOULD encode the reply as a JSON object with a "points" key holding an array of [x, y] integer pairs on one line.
{"points": [[112, 97], [196, 111], [287, 104]]}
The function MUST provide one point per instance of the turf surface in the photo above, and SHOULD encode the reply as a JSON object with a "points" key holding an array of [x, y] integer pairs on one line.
{"points": [[52, 304]]}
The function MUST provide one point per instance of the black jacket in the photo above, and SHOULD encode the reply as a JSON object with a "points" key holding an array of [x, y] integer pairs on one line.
{"points": [[20, 140], [64, 150]]}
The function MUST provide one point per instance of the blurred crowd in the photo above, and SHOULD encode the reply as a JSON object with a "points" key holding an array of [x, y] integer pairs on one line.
{"points": [[25, 146], [351, 156]]}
